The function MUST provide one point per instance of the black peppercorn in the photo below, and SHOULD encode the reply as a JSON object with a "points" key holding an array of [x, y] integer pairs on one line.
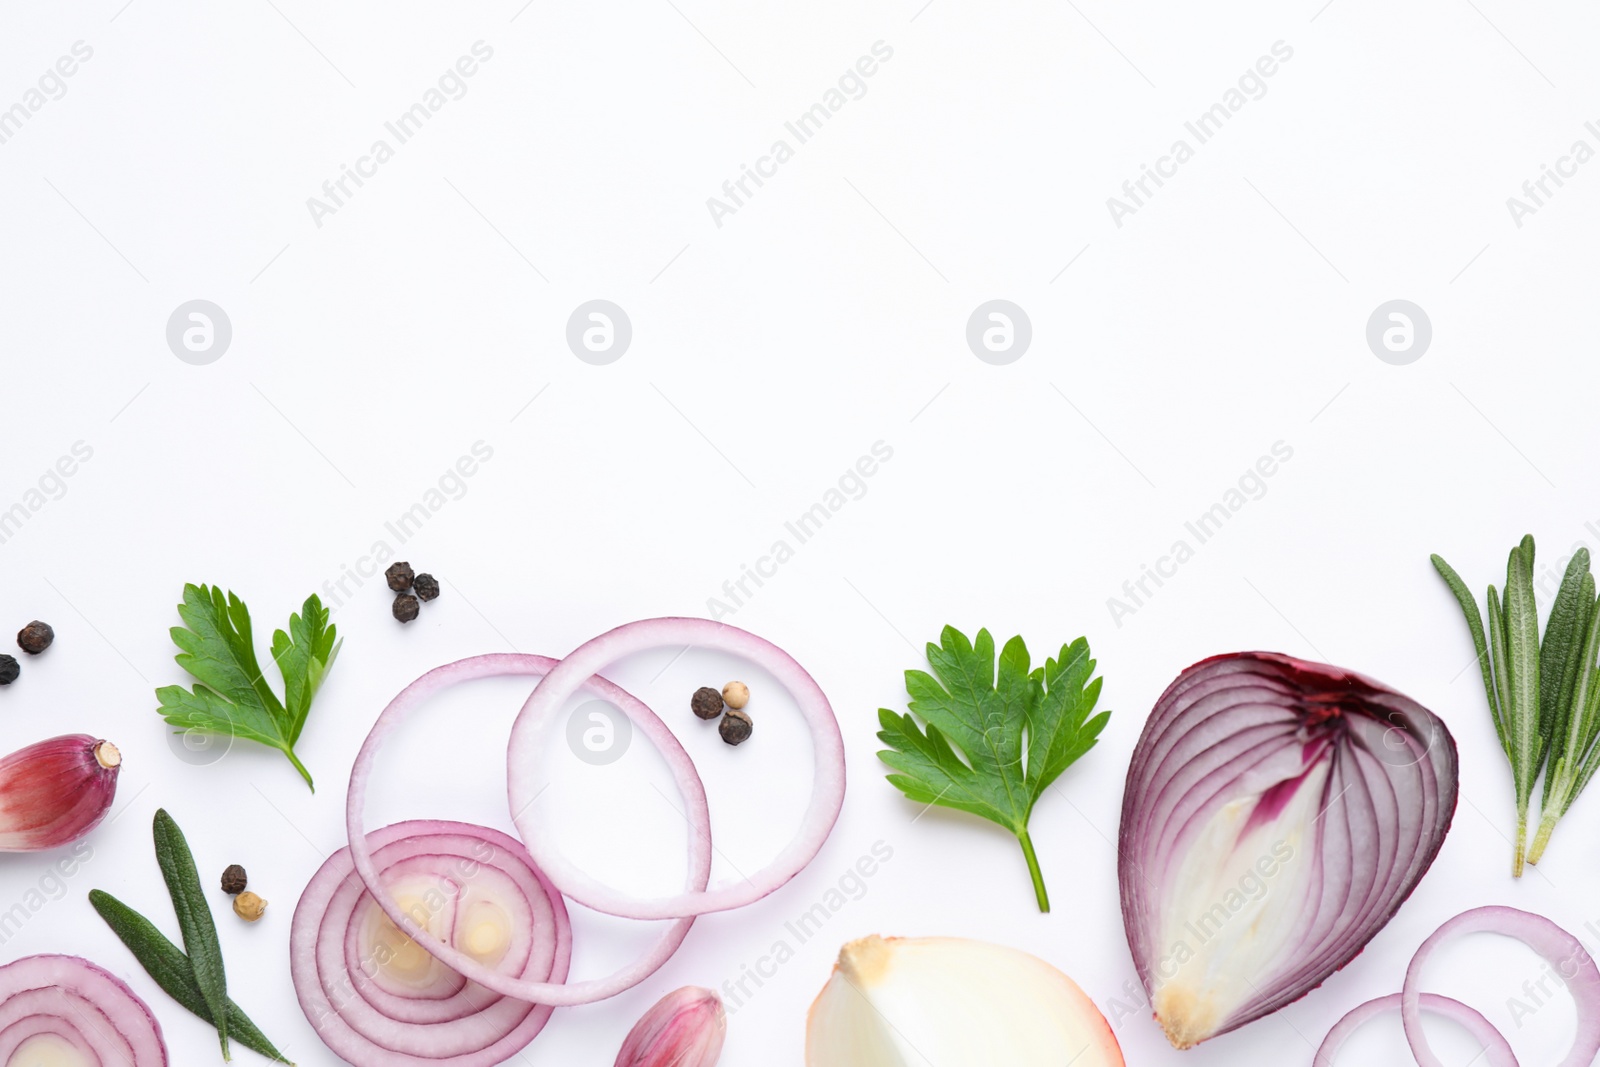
{"points": [[406, 607], [399, 576], [9, 669], [35, 637], [706, 702], [427, 586], [234, 879], [736, 726]]}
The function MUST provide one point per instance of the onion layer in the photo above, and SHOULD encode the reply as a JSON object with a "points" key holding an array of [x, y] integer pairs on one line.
{"points": [[377, 998], [67, 1012], [1496, 1050], [554, 993], [1560, 949], [1277, 813], [536, 722]]}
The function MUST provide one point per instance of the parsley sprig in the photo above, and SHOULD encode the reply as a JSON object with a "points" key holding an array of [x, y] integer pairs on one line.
{"points": [[233, 698], [994, 740]]}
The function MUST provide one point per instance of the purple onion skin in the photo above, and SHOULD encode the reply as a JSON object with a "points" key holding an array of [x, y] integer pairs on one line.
{"points": [[54, 792], [1393, 756]]}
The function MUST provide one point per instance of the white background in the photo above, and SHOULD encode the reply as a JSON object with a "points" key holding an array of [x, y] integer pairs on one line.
{"points": [[827, 314]]}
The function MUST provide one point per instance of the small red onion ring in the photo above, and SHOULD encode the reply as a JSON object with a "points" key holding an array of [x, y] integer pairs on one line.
{"points": [[1560, 949], [81, 1004], [366, 1024], [533, 727], [555, 994], [1468, 1018]]}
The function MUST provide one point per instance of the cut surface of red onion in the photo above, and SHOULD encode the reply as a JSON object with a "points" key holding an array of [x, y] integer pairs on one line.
{"points": [[557, 992], [534, 730], [1565, 953], [1496, 1051], [375, 997], [1276, 814], [63, 1011]]}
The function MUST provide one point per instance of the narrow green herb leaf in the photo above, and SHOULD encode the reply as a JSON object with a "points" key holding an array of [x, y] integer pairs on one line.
{"points": [[997, 733], [1559, 654], [233, 698], [172, 971], [1469, 608], [194, 920]]}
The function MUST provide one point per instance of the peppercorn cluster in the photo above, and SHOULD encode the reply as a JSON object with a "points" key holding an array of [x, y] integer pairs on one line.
{"points": [[727, 704], [411, 590]]}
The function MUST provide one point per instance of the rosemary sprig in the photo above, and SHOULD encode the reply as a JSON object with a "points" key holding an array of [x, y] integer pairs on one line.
{"points": [[1544, 696]]}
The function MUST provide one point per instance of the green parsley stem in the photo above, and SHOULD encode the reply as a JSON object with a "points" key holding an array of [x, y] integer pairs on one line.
{"points": [[1033, 870]]}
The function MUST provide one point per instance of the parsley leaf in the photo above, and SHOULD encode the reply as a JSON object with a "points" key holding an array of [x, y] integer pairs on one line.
{"points": [[233, 698], [992, 743]]}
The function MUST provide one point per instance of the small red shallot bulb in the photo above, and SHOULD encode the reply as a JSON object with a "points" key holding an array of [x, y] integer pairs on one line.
{"points": [[56, 791], [684, 1029]]}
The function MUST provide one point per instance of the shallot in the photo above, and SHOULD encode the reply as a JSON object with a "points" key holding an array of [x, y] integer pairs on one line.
{"points": [[685, 1028], [56, 791]]}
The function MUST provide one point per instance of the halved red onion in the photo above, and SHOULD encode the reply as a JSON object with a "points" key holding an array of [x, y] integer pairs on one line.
{"points": [[1276, 814], [535, 724], [1561, 950], [555, 992], [67, 1012], [375, 997]]}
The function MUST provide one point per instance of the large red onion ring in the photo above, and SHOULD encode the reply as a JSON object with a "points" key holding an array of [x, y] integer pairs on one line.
{"points": [[1560, 949], [66, 1001], [1496, 1048], [340, 979], [556, 994], [533, 729]]}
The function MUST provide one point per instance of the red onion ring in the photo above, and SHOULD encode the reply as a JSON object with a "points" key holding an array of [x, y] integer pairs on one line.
{"points": [[532, 732], [1560, 949], [555, 994], [1493, 1041], [80, 1004], [367, 1024]]}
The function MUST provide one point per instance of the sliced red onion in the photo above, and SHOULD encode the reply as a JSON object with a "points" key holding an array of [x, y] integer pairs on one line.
{"points": [[554, 992], [1276, 814], [1561, 950], [1497, 1051], [535, 724], [68, 1012], [376, 999]]}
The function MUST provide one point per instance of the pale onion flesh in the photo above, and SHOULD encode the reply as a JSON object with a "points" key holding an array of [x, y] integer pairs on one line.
{"points": [[1276, 815], [939, 1001], [62, 1011]]}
